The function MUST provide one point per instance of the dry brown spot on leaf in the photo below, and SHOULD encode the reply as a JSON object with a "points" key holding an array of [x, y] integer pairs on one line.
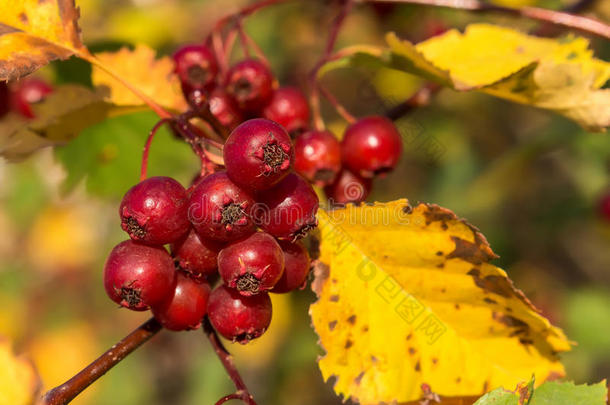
{"points": [[492, 283], [352, 319]]}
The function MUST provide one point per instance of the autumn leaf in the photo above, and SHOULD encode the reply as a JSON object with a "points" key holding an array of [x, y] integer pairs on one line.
{"points": [[407, 296], [558, 75], [139, 67], [34, 32], [19, 381]]}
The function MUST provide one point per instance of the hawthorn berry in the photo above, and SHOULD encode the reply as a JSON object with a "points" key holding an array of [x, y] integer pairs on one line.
{"points": [[224, 108], [288, 210], [604, 206], [237, 317], [220, 210], [28, 92], [186, 307], [370, 146], [348, 188], [154, 211], [289, 108], [137, 276], [195, 255], [195, 66], [296, 267], [252, 265], [258, 154], [317, 156], [250, 84]]}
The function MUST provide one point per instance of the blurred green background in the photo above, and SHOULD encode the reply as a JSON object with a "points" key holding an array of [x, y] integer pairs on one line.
{"points": [[531, 182]]}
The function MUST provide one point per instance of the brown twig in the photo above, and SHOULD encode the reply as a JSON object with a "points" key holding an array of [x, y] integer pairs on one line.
{"points": [[559, 18], [227, 361], [66, 392]]}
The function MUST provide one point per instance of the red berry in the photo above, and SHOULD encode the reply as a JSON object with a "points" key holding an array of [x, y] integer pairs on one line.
{"points": [[195, 255], [28, 92], [137, 276], [196, 67], [348, 188], [250, 83], [288, 107], [296, 267], [154, 211], [224, 109], [5, 103], [220, 210], [288, 210], [371, 145], [604, 206], [237, 317], [252, 265], [317, 156], [258, 154], [186, 307]]}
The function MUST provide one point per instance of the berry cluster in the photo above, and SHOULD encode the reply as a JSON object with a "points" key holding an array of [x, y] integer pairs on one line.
{"points": [[20, 96]]}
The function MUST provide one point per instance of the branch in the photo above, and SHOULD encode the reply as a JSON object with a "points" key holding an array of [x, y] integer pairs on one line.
{"points": [[66, 392], [419, 99], [580, 23], [227, 361]]}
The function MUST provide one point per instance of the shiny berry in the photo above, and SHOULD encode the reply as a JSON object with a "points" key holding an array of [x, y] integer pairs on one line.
{"points": [[28, 92], [186, 307], [137, 276], [258, 154], [196, 67], [154, 211], [348, 188], [224, 109], [252, 265], [604, 207], [296, 267], [237, 317], [317, 156], [250, 83], [371, 146], [195, 255], [220, 210], [288, 210], [288, 107]]}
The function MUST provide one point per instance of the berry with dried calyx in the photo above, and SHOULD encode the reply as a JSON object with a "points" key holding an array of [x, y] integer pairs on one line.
{"points": [[250, 84], [317, 157], [196, 67], [196, 256]]}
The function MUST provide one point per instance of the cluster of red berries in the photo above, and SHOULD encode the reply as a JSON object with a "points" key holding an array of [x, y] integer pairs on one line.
{"points": [[370, 146], [20, 96]]}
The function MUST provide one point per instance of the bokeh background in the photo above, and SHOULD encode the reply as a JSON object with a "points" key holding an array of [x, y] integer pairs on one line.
{"points": [[531, 181]]}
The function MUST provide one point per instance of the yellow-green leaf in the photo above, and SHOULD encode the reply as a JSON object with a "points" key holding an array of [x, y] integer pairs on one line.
{"points": [[19, 381], [35, 32], [559, 75], [141, 69], [407, 296]]}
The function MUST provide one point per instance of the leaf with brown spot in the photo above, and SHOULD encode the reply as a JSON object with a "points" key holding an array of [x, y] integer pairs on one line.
{"points": [[452, 321], [33, 33]]}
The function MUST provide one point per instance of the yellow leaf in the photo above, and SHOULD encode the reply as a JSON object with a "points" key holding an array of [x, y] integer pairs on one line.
{"points": [[19, 382], [407, 296], [35, 32], [152, 77], [559, 75]]}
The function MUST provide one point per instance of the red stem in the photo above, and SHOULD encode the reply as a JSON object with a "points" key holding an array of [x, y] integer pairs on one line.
{"points": [[146, 151], [342, 111], [228, 398], [66, 392]]}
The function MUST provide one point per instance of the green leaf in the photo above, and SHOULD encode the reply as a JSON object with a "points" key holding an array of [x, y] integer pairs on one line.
{"points": [[108, 155], [567, 393]]}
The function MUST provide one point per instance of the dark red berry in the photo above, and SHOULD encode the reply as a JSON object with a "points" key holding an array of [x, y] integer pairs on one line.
{"points": [[317, 156], [250, 83], [220, 210], [137, 276], [237, 317], [258, 154], [28, 92], [186, 307], [252, 265], [604, 206], [296, 267], [224, 109], [348, 188], [288, 107], [196, 67], [288, 210], [371, 146], [195, 255], [154, 211], [5, 103]]}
